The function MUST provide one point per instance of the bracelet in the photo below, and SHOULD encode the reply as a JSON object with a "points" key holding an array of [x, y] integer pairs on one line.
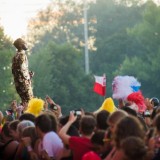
{"points": [[29, 148]]}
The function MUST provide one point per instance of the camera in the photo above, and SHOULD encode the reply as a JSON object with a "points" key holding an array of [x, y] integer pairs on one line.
{"points": [[53, 107], [147, 113], [77, 112]]}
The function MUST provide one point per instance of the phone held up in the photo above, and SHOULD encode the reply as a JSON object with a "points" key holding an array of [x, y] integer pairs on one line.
{"points": [[77, 112], [53, 107]]}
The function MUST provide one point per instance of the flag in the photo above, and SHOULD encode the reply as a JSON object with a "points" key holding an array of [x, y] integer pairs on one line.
{"points": [[100, 85]]}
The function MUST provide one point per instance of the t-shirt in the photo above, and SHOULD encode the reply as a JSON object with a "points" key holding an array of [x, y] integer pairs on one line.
{"points": [[53, 145], [79, 146]]}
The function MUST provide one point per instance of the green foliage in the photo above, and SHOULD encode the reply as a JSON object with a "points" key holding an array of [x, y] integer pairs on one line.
{"points": [[7, 89], [71, 87], [64, 64], [60, 22], [40, 65], [146, 66], [126, 41], [131, 66], [112, 41], [58, 73], [131, 2]]}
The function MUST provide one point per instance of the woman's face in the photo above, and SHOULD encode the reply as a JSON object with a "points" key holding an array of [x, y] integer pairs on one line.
{"points": [[112, 127]]}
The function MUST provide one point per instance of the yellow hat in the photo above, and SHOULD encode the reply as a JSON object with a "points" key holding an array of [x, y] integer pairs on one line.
{"points": [[35, 106], [108, 105]]}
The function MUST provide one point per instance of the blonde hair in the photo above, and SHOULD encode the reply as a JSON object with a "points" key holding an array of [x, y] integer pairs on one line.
{"points": [[116, 116]]}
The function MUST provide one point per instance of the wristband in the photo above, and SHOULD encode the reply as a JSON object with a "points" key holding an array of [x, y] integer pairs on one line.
{"points": [[29, 148]]}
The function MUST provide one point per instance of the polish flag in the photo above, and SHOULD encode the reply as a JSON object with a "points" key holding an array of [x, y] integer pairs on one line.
{"points": [[100, 85]]}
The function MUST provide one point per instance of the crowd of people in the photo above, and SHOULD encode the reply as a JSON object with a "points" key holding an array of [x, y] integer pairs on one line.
{"points": [[124, 134]]}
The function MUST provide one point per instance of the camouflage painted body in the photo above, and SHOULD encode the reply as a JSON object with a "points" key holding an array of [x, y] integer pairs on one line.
{"points": [[22, 77]]}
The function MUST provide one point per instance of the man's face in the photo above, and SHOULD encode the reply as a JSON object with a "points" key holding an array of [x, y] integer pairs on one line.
{"points": [[24, 46]]}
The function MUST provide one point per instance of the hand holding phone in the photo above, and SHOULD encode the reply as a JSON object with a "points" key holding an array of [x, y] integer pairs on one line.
{"points": [[77, 112], [49, 100], [53, 107]]}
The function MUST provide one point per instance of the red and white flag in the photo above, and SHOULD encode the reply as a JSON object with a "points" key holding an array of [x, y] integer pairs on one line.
{"points": [[100, 85]]}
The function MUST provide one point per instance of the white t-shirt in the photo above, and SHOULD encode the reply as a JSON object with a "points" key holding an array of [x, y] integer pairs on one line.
{"points": [[53, 145]]}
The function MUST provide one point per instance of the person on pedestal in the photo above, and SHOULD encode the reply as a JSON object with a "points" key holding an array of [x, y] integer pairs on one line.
{"points": [[22, 76]]}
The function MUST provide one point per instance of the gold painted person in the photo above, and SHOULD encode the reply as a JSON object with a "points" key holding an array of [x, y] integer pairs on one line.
{"points": [[22, 76]]}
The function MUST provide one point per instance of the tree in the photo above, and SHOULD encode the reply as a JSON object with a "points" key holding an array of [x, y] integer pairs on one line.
{"points": [[112, 41], [40, 65], [61, 22], [110, 29], [72, 87], [7, 89], [146, 66], [59, 74]]}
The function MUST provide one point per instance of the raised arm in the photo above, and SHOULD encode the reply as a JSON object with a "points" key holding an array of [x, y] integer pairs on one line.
{"points": [[63, 132]]}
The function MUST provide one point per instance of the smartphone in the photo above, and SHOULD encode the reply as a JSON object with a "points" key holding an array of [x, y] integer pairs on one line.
{"points": [[53, 107], [147, 113], [77, 112]]}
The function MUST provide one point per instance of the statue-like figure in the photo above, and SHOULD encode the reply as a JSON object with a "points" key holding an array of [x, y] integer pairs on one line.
{"points": [[22, 76]]}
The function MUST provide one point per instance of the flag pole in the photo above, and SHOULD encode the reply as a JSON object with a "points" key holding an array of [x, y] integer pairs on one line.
{"points": [[104, 75], [86, 37]]}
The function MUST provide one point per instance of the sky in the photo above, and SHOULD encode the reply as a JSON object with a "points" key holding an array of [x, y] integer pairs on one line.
{"points": [[14, 15]]}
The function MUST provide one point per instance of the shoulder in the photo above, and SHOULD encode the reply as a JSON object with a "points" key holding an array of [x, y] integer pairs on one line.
{"points": [[51, 137], [11, 148]]}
